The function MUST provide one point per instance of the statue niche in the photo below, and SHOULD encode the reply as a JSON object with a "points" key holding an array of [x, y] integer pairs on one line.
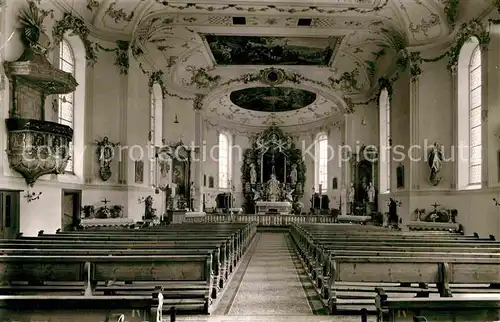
{"points": [[181, 174], [363, 181]]}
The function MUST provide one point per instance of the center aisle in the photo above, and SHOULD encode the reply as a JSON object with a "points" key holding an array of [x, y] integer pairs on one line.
{"points": [[270, 284]]}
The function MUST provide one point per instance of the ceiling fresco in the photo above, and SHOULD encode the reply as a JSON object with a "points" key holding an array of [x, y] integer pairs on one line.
{"points": [[220, 106], [260, 50], [328, 46], [272, 99]]}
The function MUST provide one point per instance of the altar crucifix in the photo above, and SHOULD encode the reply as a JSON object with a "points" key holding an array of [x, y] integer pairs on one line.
{"points": [[105, 202]]}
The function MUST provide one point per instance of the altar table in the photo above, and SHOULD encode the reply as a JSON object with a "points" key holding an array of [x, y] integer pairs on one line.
{"points": [[195, 216], [274, 207]]}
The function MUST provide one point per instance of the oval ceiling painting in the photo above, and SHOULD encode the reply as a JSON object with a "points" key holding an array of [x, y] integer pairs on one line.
{"points": [[272, 99]]}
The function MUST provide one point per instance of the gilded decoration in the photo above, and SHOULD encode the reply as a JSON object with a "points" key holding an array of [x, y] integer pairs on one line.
{"points": [[273, 153], [105, 154], [347, 82], [37, 148], [201, 78], [279, 9], [78, 27]]}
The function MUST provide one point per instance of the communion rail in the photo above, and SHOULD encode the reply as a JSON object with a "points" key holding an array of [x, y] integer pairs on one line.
{"points": [[263, 220]]}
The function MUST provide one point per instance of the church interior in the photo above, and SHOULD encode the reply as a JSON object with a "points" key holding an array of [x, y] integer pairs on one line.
{"points": [[327, 160]]}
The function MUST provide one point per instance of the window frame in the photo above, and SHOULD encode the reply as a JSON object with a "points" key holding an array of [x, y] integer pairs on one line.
{"points": [[385, 141], [61, 99], [224, 167], [471, 109], [321, 164]]}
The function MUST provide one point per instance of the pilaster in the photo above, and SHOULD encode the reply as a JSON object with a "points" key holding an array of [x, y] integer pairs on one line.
{"points": [[491, 114], [486, 161], [198, 160], [454, 115], [90, 152], [123, 136], [414, 154], [414, 135]]}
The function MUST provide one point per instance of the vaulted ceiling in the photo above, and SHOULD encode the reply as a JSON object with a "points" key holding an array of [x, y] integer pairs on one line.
{"points": [[334, 45]]}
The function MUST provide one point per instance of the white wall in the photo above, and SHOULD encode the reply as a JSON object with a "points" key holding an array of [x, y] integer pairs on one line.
{"points": [[116, 106], [434, 111]]}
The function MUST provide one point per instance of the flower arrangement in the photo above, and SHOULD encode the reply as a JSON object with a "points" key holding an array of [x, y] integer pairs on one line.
{"points": [[419, 212]]}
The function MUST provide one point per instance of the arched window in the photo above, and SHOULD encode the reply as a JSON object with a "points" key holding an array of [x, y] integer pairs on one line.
{"points": [[66, 101], [385, 144], [156, 127], [469, 116], [223, 161], [321, 173]]}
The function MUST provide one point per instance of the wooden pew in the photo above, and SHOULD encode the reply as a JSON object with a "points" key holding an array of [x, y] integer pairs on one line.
{"points": [[227, 252], [358, 257], [221, 269], [218, 277], [235, 242], [138, 245], [470, 308], [41, 272]]}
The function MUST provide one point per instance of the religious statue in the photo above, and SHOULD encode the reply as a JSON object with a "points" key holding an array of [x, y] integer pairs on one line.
{"points": [[164, 168], [191, 195], [273, 188], [253, 174], [371, 198], [173, 194], [371, 193], [350, 198], [149, 212], [256, 195], [106, 153], [435, 161], [293, 175], [289, 195]]}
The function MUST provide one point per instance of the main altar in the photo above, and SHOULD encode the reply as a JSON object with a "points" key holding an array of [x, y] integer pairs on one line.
{"points": [[273, 174]]}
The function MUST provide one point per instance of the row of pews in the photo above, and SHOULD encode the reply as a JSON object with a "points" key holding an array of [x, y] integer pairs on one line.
{"points": [[119, 274], [402, 276]]}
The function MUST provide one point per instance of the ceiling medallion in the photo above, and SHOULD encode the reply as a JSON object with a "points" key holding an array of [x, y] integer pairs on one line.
{"points": [[272, 76]]}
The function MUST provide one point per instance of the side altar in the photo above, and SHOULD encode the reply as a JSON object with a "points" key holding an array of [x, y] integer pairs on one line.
{"points": [[273, 174]]}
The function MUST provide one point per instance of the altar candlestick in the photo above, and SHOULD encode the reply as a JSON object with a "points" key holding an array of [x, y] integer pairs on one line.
{"points": [[320, 196]]}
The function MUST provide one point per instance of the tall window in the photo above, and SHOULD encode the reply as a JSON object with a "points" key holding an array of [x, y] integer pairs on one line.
{"points": [[385, 145], [66, 101], [469, 129], [321, 163], [155, 125], [475, 159], [223, 161]]}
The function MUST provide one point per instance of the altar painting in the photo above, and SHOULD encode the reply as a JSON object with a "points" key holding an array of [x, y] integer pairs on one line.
{"points": [[181, 169]]}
